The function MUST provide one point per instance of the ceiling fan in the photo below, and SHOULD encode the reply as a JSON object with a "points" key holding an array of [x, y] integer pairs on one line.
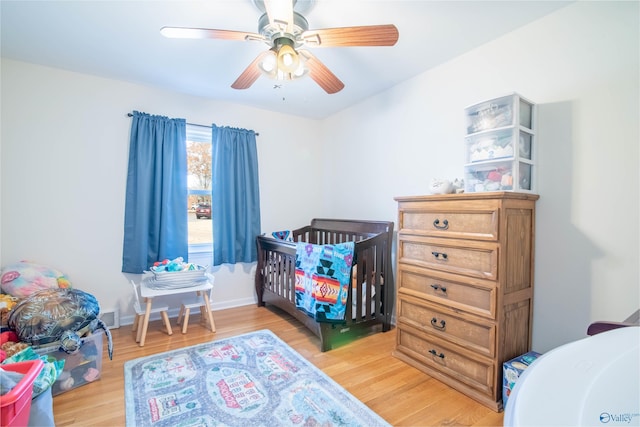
{"points": [[287, 34]]}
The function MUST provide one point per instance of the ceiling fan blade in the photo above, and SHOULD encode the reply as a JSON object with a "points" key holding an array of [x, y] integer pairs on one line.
{"points": [[321, 74], [250, 74], [207, 33], [372, 35], [280, 12]]}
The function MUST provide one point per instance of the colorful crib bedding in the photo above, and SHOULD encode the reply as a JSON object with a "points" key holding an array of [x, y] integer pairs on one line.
{"points": [[323, 279]]}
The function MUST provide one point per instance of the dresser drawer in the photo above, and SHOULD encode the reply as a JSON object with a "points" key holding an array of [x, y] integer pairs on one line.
{"points": [[472, 370], [469, 258], [475, 296], [477, 336], [475, 219]]}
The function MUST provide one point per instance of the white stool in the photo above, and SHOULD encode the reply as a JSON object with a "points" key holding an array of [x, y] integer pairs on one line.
{"points": [[140, 312], [201, 301]]}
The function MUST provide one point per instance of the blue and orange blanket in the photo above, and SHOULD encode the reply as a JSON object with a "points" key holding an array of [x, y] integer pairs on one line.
{"points": [[323, 280]]}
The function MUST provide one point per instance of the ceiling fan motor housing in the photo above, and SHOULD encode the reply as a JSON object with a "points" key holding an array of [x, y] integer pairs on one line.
{"points": [[275, 31]]}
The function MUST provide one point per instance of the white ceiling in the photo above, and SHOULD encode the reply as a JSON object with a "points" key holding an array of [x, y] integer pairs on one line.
{"points": [[120, 40]]}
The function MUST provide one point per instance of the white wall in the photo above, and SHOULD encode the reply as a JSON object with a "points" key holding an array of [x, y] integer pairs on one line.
{"points": [[580, 65], [65, 139]]}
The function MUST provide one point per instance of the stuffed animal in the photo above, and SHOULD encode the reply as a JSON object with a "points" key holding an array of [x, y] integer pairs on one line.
{"points": [[440, 186], [7, 301]]}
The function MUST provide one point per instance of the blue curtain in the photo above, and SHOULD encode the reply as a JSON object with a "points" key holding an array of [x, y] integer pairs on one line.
{"points": [[155, 222], [235, 204]]}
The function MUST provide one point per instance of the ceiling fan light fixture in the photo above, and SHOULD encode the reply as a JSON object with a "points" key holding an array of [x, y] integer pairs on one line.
{"points": [[269, 64], [270, 67], [300, 71], [288, 59]]}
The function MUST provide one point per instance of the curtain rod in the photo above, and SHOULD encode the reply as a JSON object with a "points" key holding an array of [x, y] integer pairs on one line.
{"points": [[193, 124]]}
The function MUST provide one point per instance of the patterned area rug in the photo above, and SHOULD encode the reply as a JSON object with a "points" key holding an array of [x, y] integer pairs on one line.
{"points": [[254, 379]]}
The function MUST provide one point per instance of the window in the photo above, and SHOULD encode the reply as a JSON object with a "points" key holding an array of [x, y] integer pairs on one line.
{"points": [[199, 188]]}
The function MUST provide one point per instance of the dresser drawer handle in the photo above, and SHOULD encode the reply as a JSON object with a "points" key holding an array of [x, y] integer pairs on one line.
{"points": [[444, 226], [435, 353], [434, 323], [437, 287], [439, 254]]}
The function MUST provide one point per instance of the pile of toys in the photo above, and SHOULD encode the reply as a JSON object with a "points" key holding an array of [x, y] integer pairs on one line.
{"points": [[174, 265], [45, 318]]}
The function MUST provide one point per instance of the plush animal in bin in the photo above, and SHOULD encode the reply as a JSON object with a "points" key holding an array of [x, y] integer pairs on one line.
{"points": [[79, 368], [58, 315]]}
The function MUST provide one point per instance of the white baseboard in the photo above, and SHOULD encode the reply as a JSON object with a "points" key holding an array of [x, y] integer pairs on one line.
{"points": [[232, 304]]}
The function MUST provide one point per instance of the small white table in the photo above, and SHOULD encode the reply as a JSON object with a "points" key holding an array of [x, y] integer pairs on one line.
{"points": [[149, 293]]}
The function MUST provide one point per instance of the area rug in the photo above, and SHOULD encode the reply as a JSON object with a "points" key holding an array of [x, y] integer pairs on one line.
{"points": [[254, 379]]}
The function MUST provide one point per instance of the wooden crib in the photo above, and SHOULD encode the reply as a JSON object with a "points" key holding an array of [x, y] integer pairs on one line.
{"points": [[371, 302]]}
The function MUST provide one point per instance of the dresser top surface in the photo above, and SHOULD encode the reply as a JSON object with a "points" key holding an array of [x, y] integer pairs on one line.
{"points": [[469, 196]]}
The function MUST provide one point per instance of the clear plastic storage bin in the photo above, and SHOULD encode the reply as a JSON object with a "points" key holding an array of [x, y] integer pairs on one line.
{"points": [[500, 145], [80, 368], [498, 176]]}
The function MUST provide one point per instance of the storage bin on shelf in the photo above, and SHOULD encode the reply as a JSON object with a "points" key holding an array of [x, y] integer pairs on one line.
{"points": [[15, 405], [500, 145], [80, 368]]}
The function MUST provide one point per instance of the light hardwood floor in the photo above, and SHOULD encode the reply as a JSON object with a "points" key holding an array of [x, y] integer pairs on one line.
{"points": [[399, 393]]}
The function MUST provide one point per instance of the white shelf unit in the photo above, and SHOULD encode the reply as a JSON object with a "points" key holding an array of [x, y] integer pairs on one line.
{"points": [[500, 145]]}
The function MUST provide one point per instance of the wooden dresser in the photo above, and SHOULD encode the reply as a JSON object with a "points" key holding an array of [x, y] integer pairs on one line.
{"points": [[465, 287]]}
